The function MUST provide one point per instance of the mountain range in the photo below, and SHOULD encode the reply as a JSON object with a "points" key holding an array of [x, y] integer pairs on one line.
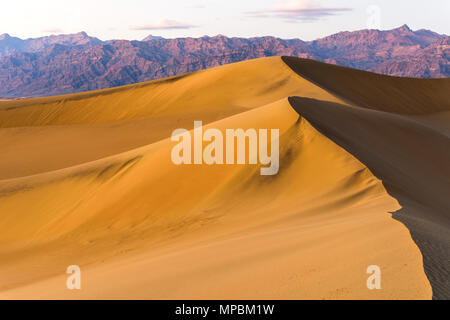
{"points": [[63, 64]]}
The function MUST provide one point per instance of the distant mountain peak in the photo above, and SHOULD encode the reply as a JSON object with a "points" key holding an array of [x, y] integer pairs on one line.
{"points": [[80, 38], [82, 35], [4, 36], [152, 37], [78, 35], [404, 28]]}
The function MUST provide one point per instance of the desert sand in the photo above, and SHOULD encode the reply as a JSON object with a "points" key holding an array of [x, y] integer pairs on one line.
{"points": [[87, 179]]}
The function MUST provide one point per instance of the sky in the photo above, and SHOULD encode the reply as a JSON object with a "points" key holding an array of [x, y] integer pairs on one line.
{"points": [[136, 19]]}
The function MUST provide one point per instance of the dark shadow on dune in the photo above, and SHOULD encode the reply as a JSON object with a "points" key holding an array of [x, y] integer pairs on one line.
{"points": [[375, 91], [412, 161]]}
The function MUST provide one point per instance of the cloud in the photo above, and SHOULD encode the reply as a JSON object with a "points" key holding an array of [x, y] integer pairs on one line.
{"points": [[164, 25], [52, 30], [196, 6], [297, 10]]}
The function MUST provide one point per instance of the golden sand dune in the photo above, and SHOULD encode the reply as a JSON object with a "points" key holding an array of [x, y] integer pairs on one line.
{"points": [[87, 179], [83, 127]]}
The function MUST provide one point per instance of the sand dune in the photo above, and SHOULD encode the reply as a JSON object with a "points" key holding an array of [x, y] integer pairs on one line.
{"points": [[412, 160], [83, 127], [375, 91], [87, 179]]}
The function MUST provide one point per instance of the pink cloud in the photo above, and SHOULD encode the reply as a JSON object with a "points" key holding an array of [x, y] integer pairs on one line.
{"points": [[164, 25], [298, 10]]}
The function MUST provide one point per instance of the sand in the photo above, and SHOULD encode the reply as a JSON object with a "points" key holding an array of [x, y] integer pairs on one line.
{"points": [[87, 179]]}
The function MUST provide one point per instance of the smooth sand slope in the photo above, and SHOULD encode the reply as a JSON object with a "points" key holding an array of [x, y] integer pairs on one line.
{"points": [[45, 134], [87, 179], [403, 141]]}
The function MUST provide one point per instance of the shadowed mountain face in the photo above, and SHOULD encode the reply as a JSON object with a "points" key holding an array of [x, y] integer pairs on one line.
{"points": [[73, 63]]}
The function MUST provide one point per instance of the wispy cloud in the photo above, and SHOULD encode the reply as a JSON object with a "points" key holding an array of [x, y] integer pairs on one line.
{"points": [[297, 10], [52, 30], [164, 25], [196, 6]]}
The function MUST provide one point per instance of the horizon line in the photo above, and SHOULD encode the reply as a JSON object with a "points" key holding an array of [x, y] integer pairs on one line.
{"points": [[214, 36]]}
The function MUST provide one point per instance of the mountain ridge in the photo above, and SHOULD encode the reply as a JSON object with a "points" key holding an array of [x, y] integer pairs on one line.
{"points": [[73, 63]]}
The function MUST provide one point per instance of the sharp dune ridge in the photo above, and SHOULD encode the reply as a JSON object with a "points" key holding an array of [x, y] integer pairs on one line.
{"points": [[416, 174], [87, 179]]}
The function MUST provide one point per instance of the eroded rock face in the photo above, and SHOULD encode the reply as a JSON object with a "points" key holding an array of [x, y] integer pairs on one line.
{"points": [[72, 63], [10, 45], [431, 62]]}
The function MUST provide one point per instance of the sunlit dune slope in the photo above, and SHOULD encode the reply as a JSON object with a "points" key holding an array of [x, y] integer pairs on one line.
{"points": [[243, 86], [87, 179], [239, 235], [57, 132]]}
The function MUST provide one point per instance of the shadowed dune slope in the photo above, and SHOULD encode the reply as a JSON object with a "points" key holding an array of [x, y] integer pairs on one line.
{"points": [[376, 91], [411, 159], [87, 179], [399, 128]]}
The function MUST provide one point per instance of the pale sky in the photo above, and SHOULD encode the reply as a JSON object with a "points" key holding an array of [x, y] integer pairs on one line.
{"points": [[135, 19]]}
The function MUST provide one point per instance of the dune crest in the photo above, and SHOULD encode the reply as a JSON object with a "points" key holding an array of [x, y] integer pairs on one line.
{"points": [[103, 193], [398, 127]]}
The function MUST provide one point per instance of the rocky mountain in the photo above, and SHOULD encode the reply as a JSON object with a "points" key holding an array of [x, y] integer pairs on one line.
{"points": [[73, 63], [432, 61], [10, 45], [152, 37], [366, 49]]}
